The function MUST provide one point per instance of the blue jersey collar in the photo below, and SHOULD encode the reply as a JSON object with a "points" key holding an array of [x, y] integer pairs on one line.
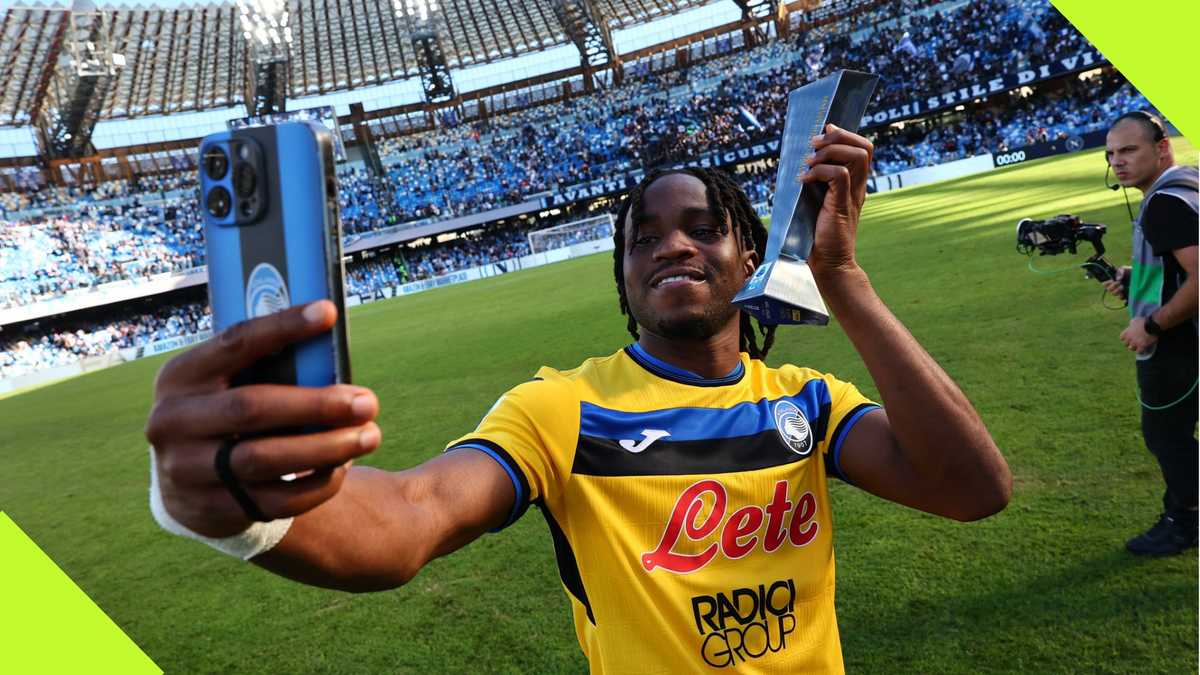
{"points": [[676, 374]]}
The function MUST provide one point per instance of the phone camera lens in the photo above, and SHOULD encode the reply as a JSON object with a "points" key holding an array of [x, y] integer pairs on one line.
{"points": [[245, 180], [216, 163], [218, 202]]}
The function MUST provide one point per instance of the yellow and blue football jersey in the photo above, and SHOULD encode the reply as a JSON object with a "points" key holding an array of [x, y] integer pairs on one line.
{"points": [[690, 516]]}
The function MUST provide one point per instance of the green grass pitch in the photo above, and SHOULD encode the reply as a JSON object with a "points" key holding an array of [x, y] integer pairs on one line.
{"points": [[1044, 587]]}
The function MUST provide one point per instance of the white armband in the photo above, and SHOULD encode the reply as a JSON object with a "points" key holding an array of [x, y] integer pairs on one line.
{"points": [[256, 539]]}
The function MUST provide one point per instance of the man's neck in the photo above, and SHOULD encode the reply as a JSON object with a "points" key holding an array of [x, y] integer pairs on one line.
{"points": [[710, 358]]}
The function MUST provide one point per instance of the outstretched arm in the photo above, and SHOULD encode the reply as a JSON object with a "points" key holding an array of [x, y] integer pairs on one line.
{"points": [[930, 450], [382, 527], [354, 528]]}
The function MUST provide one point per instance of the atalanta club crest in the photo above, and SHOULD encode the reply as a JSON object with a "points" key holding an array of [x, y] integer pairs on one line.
{"points": [[793, 428], [265, 292]]}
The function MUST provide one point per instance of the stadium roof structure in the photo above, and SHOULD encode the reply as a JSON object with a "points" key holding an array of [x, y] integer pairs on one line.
{"points": [[194, 57]]}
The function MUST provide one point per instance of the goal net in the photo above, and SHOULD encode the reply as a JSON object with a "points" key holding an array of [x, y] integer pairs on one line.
{"points": [[574, 232]]}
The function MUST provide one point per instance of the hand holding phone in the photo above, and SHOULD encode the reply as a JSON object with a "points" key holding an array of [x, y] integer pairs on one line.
{"points": [[195, 410], [269, 198]]}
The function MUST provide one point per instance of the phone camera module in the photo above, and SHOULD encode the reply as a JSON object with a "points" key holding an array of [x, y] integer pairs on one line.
{"points": [[218, 202], [245, 180], [216, 163]]}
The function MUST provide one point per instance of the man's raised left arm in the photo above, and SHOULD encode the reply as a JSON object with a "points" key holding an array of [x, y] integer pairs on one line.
{"points": [[928, 449]]}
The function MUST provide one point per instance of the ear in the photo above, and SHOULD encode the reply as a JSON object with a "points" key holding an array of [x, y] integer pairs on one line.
{"points": [[1164, 147], [749, 263]]}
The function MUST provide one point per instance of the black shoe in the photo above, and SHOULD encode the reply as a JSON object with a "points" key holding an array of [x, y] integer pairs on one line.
{"points": [[1171, 535]]}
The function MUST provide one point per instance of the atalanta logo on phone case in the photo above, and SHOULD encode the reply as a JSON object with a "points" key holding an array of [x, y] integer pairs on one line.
{"points": [[265, 292]]}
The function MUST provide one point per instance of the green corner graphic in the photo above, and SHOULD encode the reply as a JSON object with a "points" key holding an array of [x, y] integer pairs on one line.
{"points": [[1153, 45], [49, 625]]}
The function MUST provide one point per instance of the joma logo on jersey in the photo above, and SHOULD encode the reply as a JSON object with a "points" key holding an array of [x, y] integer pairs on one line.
{"points": [[745, 623], [744, 530]]}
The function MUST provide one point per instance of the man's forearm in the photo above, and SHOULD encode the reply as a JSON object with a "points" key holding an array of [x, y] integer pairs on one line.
{"points": [[1181, 307], [346, 543], [382, 527], [936, 426]]}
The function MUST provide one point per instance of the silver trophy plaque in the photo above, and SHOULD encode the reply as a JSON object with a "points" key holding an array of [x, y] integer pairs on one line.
{"points": [[782, 289]]}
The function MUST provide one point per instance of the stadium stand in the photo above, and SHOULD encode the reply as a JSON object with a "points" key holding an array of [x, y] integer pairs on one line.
{"points": [[1007, 123], [34, 346], [477, 167], [49, 254], [56, 239]]}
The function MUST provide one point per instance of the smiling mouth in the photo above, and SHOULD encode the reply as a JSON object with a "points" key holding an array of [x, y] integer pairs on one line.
{"points": [[677, 280]]}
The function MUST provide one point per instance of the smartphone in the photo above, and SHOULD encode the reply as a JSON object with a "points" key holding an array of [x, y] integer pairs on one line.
{"points": [[273, 237]]}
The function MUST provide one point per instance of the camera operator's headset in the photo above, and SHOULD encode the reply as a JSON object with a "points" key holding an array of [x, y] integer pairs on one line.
{"points": [[1159, 133]]}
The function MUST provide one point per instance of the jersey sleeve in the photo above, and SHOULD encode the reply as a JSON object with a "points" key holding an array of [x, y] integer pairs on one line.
{"points": [[531, 432], [847, 406], [1169, 224]]}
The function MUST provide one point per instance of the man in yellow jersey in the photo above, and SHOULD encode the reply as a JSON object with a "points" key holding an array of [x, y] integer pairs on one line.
{"points": [[713, 464]]}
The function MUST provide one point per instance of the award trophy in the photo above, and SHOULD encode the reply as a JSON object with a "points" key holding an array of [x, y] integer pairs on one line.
{"points": [[782, 289]]}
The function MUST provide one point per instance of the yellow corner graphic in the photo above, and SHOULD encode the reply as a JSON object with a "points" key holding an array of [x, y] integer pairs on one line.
{"points": [[48, 624], [1153, 45]]}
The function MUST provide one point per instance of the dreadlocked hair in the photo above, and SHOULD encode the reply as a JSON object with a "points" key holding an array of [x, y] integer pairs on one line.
{"points": [[725, 198]]}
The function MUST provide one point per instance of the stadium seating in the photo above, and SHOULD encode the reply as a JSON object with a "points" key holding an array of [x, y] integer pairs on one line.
{"points": [[34, 348], [47, 255], [1081, 107], [55, 239], [475, 167]]}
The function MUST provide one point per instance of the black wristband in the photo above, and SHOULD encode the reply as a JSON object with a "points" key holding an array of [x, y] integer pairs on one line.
{"points": [[1152, 328], [225, 473]]}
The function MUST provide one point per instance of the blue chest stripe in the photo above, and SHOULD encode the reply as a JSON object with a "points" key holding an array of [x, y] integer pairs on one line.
{"points": [[699, 424]]}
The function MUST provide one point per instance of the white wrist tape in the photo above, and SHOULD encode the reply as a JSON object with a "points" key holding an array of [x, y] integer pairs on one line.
{"points": [[256, 539]]}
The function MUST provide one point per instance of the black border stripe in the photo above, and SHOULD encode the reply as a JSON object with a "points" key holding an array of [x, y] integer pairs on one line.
{"points": [[605, 457], [666, 375], [264, 241], [822, 423], [831, 465], [568, 567], [512, 464]]}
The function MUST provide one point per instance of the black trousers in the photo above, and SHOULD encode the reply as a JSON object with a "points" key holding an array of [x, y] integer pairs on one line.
{"points": [[1170, 434]]}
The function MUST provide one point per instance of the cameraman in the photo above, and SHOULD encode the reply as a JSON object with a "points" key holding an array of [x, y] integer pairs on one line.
{"points": [[1161, 288]]}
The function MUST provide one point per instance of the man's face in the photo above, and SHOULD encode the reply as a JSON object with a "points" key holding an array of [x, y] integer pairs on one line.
{"points": [[682, 267], [1135, 158]]}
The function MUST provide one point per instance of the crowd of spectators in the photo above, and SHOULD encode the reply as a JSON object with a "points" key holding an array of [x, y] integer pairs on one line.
{"points": [[729, 101], [1010, 122], [758, 182], [361, 204], [366, 277], [471, 167], [32, 347], [932, 51], [56, 239], [48, 255], [31, 195], [464, 252]]}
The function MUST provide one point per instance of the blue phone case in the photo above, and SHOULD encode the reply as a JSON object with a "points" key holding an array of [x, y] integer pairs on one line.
{"points": [[280, 248]]}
